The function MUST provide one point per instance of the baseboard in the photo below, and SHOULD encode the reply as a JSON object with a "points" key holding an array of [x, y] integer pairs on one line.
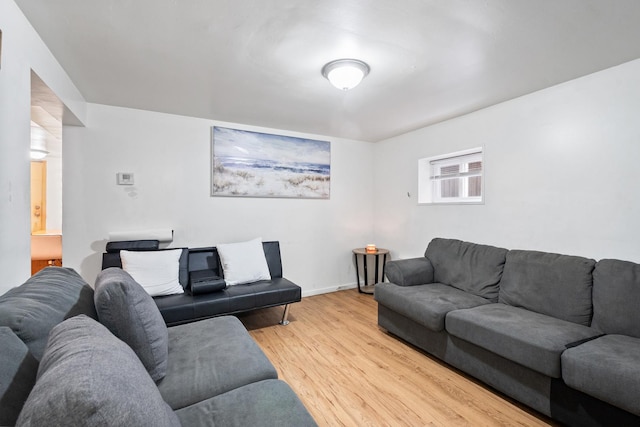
{"points": [[313, 292]]}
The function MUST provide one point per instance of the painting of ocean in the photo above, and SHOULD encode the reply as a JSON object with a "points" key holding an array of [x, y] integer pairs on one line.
{"points": [[254, 164]]}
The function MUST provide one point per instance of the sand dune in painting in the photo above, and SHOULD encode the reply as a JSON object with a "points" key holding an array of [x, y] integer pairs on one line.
{"points": [[269, 182]]}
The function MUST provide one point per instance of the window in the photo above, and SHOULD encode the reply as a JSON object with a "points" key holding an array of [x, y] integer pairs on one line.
{"points": [[451, 178]]}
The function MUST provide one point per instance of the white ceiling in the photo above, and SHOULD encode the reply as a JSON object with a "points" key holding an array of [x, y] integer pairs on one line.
{"points": [[47, 111], [258, 62]]}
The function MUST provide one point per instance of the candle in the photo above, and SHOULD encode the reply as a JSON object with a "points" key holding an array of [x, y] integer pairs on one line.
{"points": [[371, 247]]}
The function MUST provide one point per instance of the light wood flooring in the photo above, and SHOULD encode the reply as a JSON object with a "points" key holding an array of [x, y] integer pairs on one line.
{"points": [[349, 372]]}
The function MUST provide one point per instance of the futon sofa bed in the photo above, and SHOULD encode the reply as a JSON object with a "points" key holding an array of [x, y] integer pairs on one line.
{"points": [[558, 333], [205, 293], [73, 356]]}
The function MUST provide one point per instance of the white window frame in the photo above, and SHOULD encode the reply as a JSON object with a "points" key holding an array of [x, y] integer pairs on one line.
{"points": [[429, 178]]}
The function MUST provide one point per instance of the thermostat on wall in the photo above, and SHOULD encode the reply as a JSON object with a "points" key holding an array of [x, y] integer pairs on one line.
{"points": [[125, 178]]}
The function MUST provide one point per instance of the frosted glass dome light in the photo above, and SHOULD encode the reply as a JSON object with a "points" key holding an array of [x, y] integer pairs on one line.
{"points": [[38, 143], [345, 74]]}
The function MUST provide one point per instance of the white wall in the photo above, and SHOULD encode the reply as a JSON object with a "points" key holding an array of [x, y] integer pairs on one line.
{"points": [[562, 173], [22, 51], [54, 184], [169, 156]]}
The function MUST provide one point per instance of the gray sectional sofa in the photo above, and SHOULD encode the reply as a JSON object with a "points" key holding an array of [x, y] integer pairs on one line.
{"points": [[558, 333], [73, 356]]}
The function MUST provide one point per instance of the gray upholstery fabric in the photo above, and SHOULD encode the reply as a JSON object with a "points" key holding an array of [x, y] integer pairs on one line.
{"points": [[473, 268], [425, 304], [44, 300], [128, 311], [409, 272], [434, 343], [553, 284], [523, 384], [606, 368], [616, 290], [210, 357], [88, 377], [531, 339], [18, 369], [515, 380], [265, 403]]}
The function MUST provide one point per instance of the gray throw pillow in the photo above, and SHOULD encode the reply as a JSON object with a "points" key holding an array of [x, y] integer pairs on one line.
{"points": [[88, 377], [18, 370], [128, 311]]}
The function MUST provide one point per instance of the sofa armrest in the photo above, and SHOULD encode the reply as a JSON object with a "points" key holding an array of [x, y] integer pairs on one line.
{"points": [[205, 282], [409, 272]]}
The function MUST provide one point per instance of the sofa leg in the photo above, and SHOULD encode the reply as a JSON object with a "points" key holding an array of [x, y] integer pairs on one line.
{"points": [[284, 321]]}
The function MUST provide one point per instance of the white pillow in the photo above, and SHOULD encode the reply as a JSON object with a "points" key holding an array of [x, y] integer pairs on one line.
{"points": [[157, 271], [244, 262]]}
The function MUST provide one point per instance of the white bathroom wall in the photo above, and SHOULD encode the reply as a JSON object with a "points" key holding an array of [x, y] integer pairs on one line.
{"points": [[562, 169], [22, 51], [170, 158]]}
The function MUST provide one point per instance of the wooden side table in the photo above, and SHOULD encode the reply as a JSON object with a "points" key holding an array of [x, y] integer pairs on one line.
{"points": [[376, 255]]}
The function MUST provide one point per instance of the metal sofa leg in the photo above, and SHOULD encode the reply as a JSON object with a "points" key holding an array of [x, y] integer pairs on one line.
{"points": [[284, 321]]}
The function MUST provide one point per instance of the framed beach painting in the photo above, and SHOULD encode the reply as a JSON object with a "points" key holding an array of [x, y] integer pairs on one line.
{"points": [[254, 164]]}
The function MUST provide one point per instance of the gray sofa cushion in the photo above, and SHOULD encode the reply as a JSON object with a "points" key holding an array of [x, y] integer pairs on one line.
{"points": [[530, 339], [265, 403], [88, 377], [409, 272], [473, 268], [425, 304], [616, 290], [128, 311], [553, 284], [606, 368], [211, 357], [18, 369], [44, 300]]}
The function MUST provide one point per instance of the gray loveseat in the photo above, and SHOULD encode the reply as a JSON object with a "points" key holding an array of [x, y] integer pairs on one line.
{"points": [[71, 356], [558, 333]]}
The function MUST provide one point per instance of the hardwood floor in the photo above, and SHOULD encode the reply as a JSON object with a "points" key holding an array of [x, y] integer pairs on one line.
{"points": [[349, 372]]}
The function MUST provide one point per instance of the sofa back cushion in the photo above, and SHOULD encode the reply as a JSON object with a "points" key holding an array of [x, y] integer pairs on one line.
{"points": [[473, 268], [44, 300], [552, 284], [18, 370], [616, 297], [88, 377], [128, 311]]}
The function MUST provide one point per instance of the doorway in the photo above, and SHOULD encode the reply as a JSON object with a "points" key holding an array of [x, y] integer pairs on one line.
{"points": [[46, 176]]}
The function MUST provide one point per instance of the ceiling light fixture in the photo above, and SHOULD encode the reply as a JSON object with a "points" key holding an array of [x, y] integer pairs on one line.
{"points": [[38, 143], [345, 74], [37, 154]]}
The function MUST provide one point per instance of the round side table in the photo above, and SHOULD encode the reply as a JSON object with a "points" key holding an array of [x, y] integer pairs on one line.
{"points": [[376, 255]]}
